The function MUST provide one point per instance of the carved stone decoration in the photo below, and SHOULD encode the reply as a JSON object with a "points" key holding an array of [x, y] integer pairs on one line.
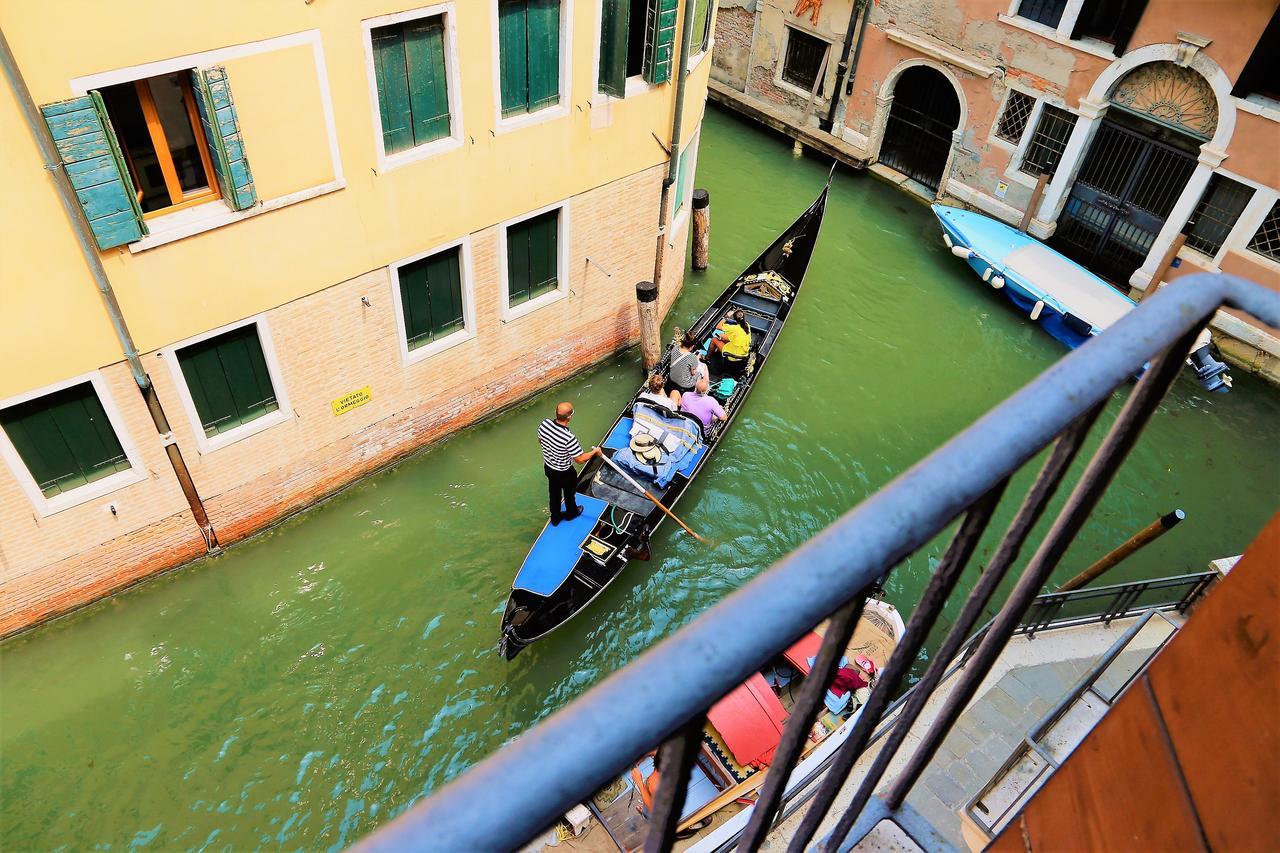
{"points": [[1173, 96]]}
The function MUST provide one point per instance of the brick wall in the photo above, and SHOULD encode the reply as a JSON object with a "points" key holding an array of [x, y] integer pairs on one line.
{"points": [[327, 345], [734, 28]]}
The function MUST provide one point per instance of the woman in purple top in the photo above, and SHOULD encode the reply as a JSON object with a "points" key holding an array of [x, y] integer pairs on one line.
{"points": [[702, 405]]}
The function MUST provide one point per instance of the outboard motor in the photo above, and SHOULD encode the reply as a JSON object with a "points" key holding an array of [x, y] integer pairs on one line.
{"points": [[1212, 373]]}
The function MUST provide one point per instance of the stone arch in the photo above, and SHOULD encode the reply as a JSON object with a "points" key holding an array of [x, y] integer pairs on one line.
{"points": [[891, 81], [884, 104]]}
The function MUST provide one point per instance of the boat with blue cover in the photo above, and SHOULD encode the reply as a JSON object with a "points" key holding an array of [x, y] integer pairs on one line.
{"points": [[1062, 297], [571, 563]]}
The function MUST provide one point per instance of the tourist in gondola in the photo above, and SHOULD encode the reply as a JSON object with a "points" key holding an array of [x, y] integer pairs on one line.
{"points": [[653, 393], [702, 405], [733, 343], [684, 368], [560, 449]]}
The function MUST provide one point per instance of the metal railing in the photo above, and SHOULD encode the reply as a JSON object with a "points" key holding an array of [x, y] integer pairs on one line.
{"points": [[1106, 603], [1034, 742], [663, 696]]}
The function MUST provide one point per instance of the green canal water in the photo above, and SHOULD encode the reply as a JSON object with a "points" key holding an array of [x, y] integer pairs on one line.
{"points": [[311, 683]]}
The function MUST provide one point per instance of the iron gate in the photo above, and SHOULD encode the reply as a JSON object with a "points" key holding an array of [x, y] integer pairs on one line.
{"points": [[917, 137], [1120, 200]]}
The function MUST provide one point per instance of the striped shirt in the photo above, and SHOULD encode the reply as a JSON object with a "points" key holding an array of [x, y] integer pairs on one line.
{"points": [[559, 445]]}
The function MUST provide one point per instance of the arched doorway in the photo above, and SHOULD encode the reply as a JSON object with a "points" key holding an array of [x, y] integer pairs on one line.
{"points": [[1136, 168], [917, 136]]}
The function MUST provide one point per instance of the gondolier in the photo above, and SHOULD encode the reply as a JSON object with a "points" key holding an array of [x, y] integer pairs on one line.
{"points": [[560, 449]]}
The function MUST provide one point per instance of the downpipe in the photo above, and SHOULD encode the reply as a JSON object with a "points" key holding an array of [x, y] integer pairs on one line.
{"points": [[844, 69], [673, 157], [89, 249]]}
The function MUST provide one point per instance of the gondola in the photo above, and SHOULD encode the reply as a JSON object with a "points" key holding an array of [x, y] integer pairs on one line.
{"points": [[571, 563]]}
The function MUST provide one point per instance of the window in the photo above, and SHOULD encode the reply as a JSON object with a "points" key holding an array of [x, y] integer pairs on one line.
{"points": [[413, 94], [1261, 74], [1216, 214], [149, 146], [1047, 12], [529, 55], [1110, 21], [804, 59], [1048, 142], [1013, 121], [701, 26], [637, 39], [228, 380], [431, 297], [684, 175], [533, 257], [1267, 239], [158, 127], [65, 439]]}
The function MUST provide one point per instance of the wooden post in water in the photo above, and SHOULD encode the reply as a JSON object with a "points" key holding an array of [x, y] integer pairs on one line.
{"points": [[1146, 535], [1163, 269], [650, 335], [1036, 195], [701, 228]]}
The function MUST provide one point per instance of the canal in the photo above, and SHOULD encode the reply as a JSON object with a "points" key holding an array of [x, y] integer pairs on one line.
{"points": [[309, 684]]}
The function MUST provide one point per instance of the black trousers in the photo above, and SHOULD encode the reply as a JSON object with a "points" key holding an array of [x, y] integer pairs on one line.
{"points": [[560, 487]]}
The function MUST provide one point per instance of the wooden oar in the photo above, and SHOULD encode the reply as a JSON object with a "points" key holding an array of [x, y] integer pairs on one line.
{"points": [[645, 492]]}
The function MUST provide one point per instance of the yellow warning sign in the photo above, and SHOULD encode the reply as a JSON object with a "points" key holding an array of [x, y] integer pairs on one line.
{"points": [[354, 400]]}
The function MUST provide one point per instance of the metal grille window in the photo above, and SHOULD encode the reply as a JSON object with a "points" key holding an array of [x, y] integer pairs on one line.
{"points": [[1216, 214], [1048, 141], [803, 60], [1267, 240], [1047, 12], [1013, 121], [64, 439]]}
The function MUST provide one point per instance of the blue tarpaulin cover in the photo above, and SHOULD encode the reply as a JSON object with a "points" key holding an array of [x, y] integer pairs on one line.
{"points": [[688, 442], [557, 550]]}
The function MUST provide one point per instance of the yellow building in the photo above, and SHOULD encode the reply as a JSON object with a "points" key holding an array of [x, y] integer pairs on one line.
{"points": [[335, 232]]}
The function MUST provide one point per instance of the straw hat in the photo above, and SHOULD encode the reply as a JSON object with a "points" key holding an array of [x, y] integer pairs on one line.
{"points": [[646, 448]]}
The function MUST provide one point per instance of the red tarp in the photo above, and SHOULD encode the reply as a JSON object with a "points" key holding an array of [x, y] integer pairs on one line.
{"points": [[806, 648], [750, 719]]}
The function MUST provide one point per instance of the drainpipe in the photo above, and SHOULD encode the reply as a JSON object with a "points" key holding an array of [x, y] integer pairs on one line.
{"points": [[686, 34], [89, 248], [857, 18]]}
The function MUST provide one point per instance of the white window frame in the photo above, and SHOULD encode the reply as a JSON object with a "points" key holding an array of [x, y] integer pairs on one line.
{"points": [[453, 339], [511, 312], [820, 97], [452, 142], [1013, 148], [561, 108], [1014, 172], [681, 214], [1245, 227], [695, 59], [208, 444], [46, 506]]}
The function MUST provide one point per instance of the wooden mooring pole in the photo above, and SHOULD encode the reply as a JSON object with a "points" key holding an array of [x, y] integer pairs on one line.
{"points": [[1036, 195], [650, 334], [1145, 536], [701, 228]]}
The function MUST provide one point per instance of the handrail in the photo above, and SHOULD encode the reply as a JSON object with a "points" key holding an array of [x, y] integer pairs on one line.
{"points": [[507, 798]]}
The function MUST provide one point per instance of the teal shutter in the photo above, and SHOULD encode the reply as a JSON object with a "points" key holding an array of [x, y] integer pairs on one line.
{"points": [[221, 128], [89, 151], [393, 88], [431, 297], [428, 92], [659, 40], [513, 56], [682, 178], [518, 263], [228, 379], [64, 439], [544, 53], [613, 46]]}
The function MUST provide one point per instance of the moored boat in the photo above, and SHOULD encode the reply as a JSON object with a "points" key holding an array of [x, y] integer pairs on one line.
{"points": [[571, 563], [1062, 297], [743, 729]]}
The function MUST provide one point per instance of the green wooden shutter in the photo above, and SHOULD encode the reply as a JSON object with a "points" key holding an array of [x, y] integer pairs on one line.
{"points": [[415, 304], [544, 53], [228, 379], [64, 439], [88, 148], [518, 263], [444, 284], [613, 46], [543, 269], [428, 93], [221, 128], [513, 56], [701, 25], [393, 88], [659, 40]]}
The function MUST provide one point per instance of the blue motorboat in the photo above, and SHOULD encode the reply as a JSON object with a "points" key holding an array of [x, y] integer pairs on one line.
{"points": [[1062, 297]]}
